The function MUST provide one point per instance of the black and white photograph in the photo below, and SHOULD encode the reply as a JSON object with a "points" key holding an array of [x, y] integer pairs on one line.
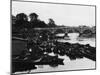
{"points": [[52, 37]]}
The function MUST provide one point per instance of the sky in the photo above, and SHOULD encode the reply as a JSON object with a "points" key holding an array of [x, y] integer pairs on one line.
{"points": [[68, 15]]}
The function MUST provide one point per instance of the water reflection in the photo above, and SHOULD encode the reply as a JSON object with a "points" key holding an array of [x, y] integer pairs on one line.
{"points": [[73, 38], [77, 64]]}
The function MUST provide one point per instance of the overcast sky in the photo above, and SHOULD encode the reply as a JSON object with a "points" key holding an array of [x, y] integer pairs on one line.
{"points": [[68, 15]]}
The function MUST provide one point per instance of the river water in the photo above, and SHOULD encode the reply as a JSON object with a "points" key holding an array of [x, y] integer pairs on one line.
{"points": [[77, 64], [73, 38]]}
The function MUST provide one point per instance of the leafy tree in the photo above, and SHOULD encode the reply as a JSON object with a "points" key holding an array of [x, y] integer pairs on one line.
{"points": [[22, 16], [51, 23], [35, 22], [21, 21]]}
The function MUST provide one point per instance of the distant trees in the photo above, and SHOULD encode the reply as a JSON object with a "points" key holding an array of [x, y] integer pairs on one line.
{"points": [[33, 16], [22, 16], [86, 33], [51, 23], [21, 21], [13, 19], [94, 29], [35, 22], [13, 23]]}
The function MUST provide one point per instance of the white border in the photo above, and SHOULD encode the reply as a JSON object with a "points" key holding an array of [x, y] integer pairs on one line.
{"points": [[5, 37]]}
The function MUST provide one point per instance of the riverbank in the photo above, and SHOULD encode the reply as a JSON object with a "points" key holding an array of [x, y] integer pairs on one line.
{"points": [[71, 53]]}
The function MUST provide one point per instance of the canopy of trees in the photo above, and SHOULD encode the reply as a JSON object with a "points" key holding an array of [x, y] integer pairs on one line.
{"points": [[21, 22]]}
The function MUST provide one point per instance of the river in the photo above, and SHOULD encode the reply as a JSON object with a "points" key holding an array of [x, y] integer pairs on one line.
{"points": [[77, 64]]}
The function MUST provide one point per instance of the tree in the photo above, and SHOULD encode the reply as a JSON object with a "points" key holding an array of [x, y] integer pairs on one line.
{"points": [[35, 22], [22, 16], [13, 24], [51, 23], [33, 17], [13, 19], [21, 21], [86, 33]]}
